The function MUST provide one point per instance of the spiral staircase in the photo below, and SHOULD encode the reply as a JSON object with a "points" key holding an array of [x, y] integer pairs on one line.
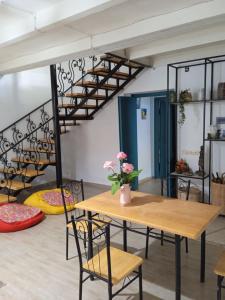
{"points": [[27, 147]]}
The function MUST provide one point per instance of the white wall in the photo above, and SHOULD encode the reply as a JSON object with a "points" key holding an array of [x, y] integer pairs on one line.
{"points": [[144, 139], [87, 147], [21, 93]]}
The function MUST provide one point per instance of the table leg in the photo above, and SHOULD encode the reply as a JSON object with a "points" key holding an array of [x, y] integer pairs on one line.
{"points": [[125, 236], [90, 244], [178, 266], [202, 267]]}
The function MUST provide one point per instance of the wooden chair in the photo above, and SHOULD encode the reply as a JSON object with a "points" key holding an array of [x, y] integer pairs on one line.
{"points": [[108, 264], [184, 186], [73, 189], [220, 272]]}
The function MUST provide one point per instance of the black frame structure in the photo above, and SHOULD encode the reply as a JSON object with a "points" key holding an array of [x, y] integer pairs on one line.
{"points": [[208, 64], [220, 286]]}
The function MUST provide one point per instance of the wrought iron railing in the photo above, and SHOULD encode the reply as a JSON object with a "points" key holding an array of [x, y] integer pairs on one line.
{"points": [[25, 142], [73, 71], [70, 73], [79, 77]]}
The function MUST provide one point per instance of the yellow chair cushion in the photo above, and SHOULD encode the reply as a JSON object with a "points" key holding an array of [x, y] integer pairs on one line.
{"points": [[122, 264], [220, 266], [38, 200]]}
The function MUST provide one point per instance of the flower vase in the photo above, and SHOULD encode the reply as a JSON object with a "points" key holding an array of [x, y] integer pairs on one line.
{"points": [[125, 195]]}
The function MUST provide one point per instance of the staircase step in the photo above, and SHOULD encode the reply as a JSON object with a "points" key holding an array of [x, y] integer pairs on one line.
{"points": [[75, 117], [14, 185], [105, 72], [83, 95], [64, 130], [6, 198], [117, 60], [23, 172], [47, 141], [73, 106], [39, 150], [41, 162], [72, 123], [93, 84]]}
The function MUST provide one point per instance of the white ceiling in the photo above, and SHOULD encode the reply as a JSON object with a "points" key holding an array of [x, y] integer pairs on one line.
{"points": [[128, 13], [39, 32]]}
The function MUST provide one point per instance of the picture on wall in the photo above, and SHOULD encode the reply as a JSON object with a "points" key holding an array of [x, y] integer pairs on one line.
{"points": [[143, 113]]}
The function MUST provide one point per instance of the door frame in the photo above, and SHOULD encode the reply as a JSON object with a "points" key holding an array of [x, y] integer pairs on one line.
{"points": [[153, 94]]}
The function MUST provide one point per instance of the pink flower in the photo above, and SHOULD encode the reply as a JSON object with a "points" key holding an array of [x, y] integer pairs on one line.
{"points": [[127, 168], [110, 165], [121, 156]]}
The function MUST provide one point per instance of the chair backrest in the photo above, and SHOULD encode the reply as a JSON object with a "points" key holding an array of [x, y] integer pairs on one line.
{"points": [[98, 264], [184, 186], [72, 193]]}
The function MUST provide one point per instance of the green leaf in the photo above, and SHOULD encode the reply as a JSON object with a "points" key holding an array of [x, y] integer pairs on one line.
{"points": [[133, 175], [115, 186], [113, 177]]}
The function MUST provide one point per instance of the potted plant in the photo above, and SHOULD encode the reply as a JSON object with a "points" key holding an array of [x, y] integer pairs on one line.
{"points": [[122, 179]]}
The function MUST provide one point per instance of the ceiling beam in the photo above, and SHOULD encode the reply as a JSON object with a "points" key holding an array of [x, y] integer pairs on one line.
{"points": [[49, 56], [194, 38], [60, 13], [67, 11], [188, 19], [195, 52], [140, 31]]}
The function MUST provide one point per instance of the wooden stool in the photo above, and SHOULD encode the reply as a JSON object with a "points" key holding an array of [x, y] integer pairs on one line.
{"points": [[220, 272]]}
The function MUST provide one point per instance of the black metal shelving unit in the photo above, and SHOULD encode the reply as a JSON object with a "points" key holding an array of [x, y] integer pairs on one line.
{"points": [[208, 68]]}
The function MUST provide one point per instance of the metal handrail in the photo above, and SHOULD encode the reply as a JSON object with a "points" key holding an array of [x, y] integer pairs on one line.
{"points": [[25, 116]]}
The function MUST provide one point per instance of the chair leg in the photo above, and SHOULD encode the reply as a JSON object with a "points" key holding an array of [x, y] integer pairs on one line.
{"points": [[80, 285], [162, 238], [219, 283], [67, 243], [186, 245], [140, 284], [109, 290], [147, 242], [85, 240]]}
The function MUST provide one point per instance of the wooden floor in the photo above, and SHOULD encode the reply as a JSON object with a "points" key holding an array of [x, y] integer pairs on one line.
{"points": [[33, 265]]}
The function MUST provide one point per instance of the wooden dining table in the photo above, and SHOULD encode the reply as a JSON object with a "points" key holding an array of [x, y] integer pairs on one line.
{"points": [[183, 219]]}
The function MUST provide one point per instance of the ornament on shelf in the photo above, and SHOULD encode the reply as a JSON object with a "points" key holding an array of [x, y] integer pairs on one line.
{"points": [[182, 167], [200, 171]]}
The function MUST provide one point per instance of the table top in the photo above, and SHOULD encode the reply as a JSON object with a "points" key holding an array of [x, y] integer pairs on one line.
{"points": [[184, 218]]}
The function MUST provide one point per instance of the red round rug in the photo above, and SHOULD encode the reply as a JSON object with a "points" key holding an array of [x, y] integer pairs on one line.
{"points": [[15, 217]]}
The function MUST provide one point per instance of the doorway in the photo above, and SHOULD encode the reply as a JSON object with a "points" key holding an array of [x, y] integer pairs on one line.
{"points": [[143, 121]]}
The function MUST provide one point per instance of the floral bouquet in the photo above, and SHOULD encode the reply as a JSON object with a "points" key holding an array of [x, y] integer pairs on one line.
{"points": [[126, 175]]}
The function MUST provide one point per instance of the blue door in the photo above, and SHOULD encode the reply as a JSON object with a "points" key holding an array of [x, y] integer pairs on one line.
{"points": [[128, 130], [160, 136]]}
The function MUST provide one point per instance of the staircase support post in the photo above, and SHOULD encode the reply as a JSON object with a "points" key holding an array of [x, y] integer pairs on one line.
{"points": [[56, 125]]}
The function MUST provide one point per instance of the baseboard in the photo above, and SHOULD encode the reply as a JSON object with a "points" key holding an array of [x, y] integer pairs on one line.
{"points": [[97, 185], [145, 180]]}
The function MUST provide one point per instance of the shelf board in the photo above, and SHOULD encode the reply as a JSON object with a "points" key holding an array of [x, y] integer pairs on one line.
{"points": [[198, 101], [175, 174], [215, 140]]}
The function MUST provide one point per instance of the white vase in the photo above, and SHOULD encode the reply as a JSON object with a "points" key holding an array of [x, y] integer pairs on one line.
{"points": [[125, 196]]}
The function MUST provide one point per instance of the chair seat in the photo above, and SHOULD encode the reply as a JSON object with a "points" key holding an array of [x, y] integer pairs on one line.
{"points": [[82, 226], [220, 266], [122, 264]]}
